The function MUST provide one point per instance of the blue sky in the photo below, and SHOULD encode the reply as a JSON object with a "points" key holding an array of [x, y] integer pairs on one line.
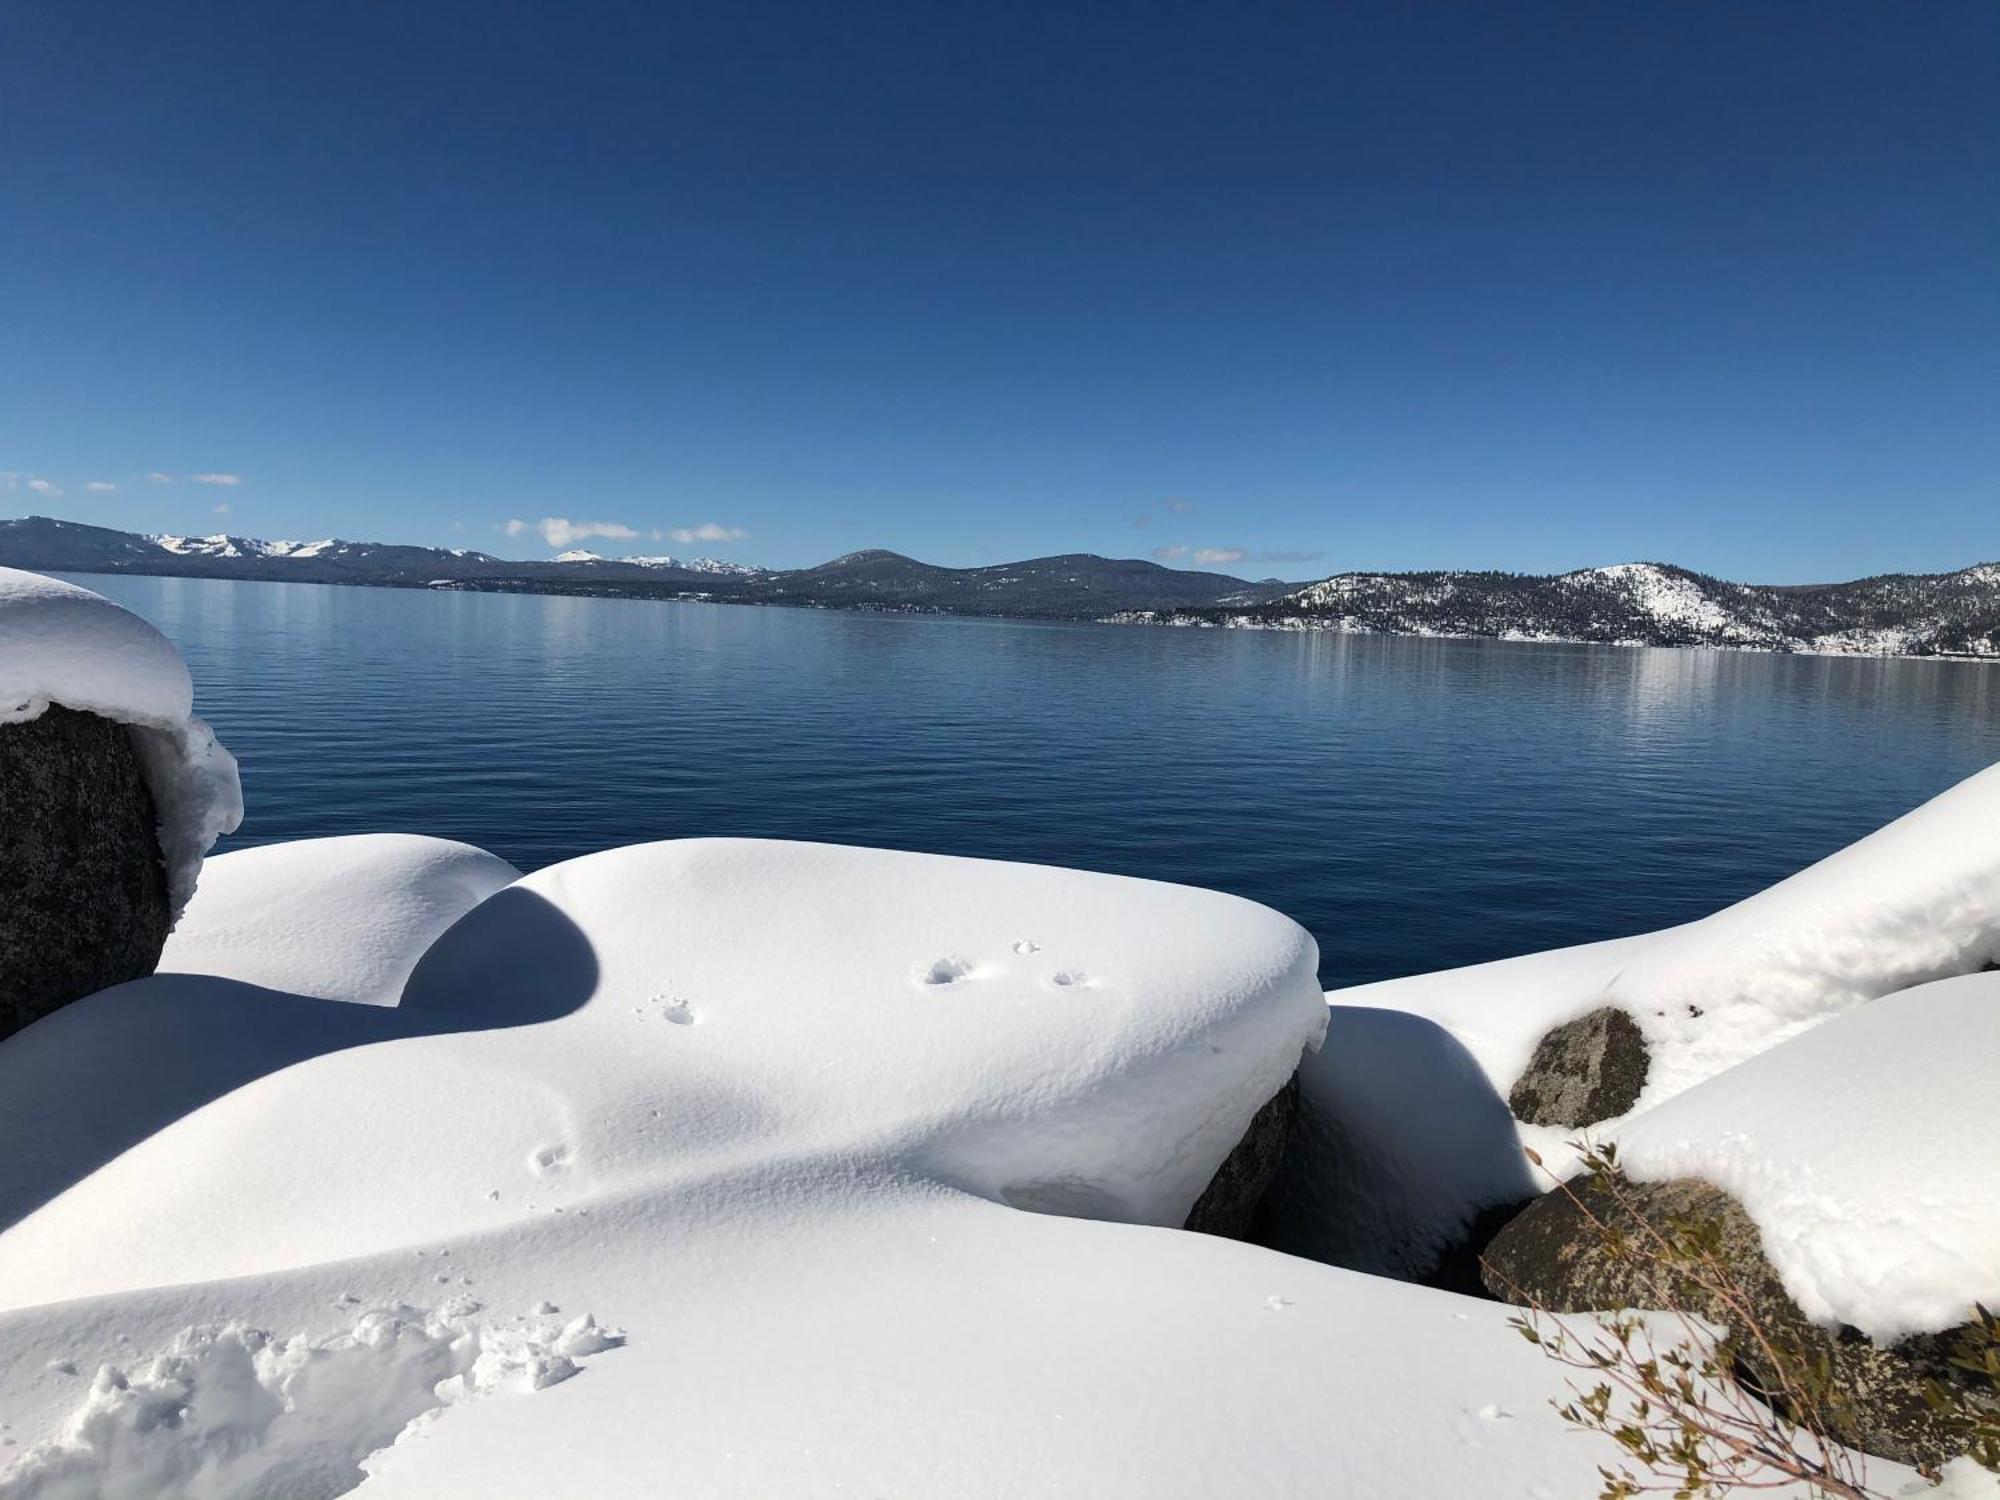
{"points": [[1330, 286]]}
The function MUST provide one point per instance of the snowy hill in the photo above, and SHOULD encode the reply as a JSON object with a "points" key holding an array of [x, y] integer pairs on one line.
{"points": [[1647, 604]]}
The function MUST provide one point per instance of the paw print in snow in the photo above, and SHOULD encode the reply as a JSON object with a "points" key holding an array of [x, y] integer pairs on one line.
{"points": [[546, 1159], [668, 1008]]}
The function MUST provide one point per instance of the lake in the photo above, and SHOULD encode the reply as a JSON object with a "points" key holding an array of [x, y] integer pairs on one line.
{"points": [[1417, 804]]}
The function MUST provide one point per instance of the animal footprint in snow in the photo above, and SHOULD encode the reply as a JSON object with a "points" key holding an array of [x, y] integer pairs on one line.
{"points": [[546, 1159], [942, 972], [667, 1008], [1070, 979]]}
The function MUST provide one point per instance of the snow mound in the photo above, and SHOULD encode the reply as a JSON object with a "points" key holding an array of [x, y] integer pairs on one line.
{"points": [[336, 918], [234, 1413], [1915, 901], [640, 1019], [1868, 1153], [1378, 1183], [65, 645]]}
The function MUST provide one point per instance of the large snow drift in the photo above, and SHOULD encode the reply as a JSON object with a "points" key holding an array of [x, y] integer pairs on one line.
{"points": [[1867, 1151], [63, 644], [338, 918]]}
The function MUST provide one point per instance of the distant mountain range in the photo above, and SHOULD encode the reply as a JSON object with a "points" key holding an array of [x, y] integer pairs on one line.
{"points": [[1075, 586], [1641, 604]]}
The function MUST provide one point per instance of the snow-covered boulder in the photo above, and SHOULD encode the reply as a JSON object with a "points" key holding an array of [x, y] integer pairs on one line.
{"points": [[342, 918], [1854, 1173], [1374, 1182], [111, 791], [1060, 1041], [1914, 901]]}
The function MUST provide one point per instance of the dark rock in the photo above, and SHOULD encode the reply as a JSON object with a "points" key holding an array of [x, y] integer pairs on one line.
{"points": [[86, 890], [1228, 1205], [1459, 1264], [1551, 1256], [1583, 1071]]}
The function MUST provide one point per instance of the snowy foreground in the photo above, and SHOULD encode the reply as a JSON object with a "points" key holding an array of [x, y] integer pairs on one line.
{"points": [[728, 1167]]}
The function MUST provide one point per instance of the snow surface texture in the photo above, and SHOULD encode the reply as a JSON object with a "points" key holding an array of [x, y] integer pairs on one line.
{"points": [[63, 644], [235, 1413], [336, 918], [770, 1104], [1867, 1151]]}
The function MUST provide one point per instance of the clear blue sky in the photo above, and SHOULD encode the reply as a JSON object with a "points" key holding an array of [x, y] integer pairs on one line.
{"points": [[1337, 286]]}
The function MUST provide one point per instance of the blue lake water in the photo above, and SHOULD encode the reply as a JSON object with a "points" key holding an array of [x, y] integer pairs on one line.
{"points": [[1417, 804]]}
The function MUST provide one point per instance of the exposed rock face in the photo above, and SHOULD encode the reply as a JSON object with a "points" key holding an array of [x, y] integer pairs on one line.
{"points": [[1551, 1256], [85, 890], [1228, 1205], [1583, 1071]]}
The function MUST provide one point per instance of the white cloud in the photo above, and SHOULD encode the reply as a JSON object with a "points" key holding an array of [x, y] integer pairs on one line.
{"points": [[1179, 507], [560, 531], [222, 509], [1210, 556], [708, 531], [232, 480], [42, 486], [100, 486], [156, 477]]}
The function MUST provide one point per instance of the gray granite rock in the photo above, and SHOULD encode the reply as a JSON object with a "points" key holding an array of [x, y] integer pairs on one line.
{"points": [[80, 868], [1228, 1205], [1583, 1071]]}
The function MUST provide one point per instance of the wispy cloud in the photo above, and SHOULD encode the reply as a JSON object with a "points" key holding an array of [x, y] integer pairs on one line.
{"points": [[1216, 556], [43, 486], [100, 486], [156, 477], [708, 531], [222, 509], [1176, 506], [230, 480], [561, 531]]}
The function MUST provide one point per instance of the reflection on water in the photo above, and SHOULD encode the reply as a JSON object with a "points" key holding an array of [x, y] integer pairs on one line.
{"points": [[1416, 803]]}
